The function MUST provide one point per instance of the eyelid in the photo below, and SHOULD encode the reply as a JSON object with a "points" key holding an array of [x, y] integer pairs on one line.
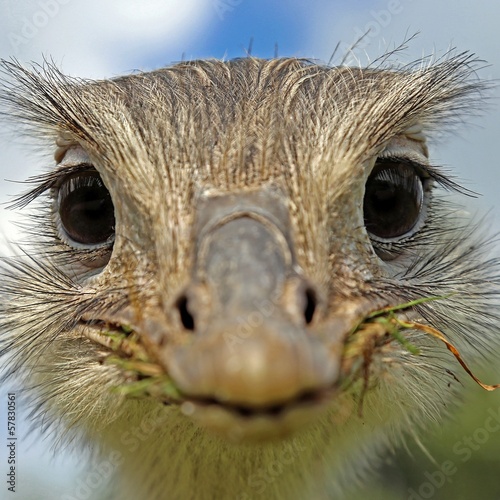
{"points": [[49, 182], [63, 172], [424, 171], [430, 173]]}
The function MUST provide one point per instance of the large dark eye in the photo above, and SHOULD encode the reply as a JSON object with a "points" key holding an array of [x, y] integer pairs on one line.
{"points": [[393, 199], [85, 209]]}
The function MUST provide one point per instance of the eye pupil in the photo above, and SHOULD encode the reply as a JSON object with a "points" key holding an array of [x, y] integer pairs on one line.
{"points": [[86, 210], [393, 200]]}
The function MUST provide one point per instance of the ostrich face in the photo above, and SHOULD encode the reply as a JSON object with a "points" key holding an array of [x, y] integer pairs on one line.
{"points": [[215, 233]]}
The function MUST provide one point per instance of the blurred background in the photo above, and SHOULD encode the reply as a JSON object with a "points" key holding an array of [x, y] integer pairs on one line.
{"points": [[105, 38]]}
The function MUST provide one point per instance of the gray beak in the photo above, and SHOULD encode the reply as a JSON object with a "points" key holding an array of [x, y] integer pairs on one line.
{"points": [[249, 309]]}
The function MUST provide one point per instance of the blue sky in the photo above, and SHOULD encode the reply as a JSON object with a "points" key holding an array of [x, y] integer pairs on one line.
{"points": [[265, 22]]}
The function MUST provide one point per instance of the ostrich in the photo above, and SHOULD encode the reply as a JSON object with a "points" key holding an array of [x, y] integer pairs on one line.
{"points": [[237, 270]]}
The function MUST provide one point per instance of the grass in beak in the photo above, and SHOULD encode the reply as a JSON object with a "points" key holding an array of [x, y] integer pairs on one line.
{"points": [[383, 326], [145, 377]]}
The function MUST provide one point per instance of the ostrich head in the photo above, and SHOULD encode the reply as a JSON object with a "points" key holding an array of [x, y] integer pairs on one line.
{"points": [[233, 265]]}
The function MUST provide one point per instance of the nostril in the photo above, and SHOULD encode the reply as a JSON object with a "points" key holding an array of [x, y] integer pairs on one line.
{"points": [[310, 307], [186, 317]]}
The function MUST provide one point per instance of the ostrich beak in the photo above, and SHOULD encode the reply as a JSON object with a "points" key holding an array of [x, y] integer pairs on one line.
{"points": [[250, 308]]}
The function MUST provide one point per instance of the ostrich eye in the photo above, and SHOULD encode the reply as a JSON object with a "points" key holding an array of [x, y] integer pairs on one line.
{"points": [[393, 200], [85, 209]]}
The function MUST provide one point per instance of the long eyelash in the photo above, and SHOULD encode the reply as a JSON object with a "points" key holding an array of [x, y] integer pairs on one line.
{"points": [[435, 173], [46, 182]]}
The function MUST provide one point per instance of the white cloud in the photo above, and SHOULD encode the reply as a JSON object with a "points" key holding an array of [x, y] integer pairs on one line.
{"points": [[98, 38]]}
